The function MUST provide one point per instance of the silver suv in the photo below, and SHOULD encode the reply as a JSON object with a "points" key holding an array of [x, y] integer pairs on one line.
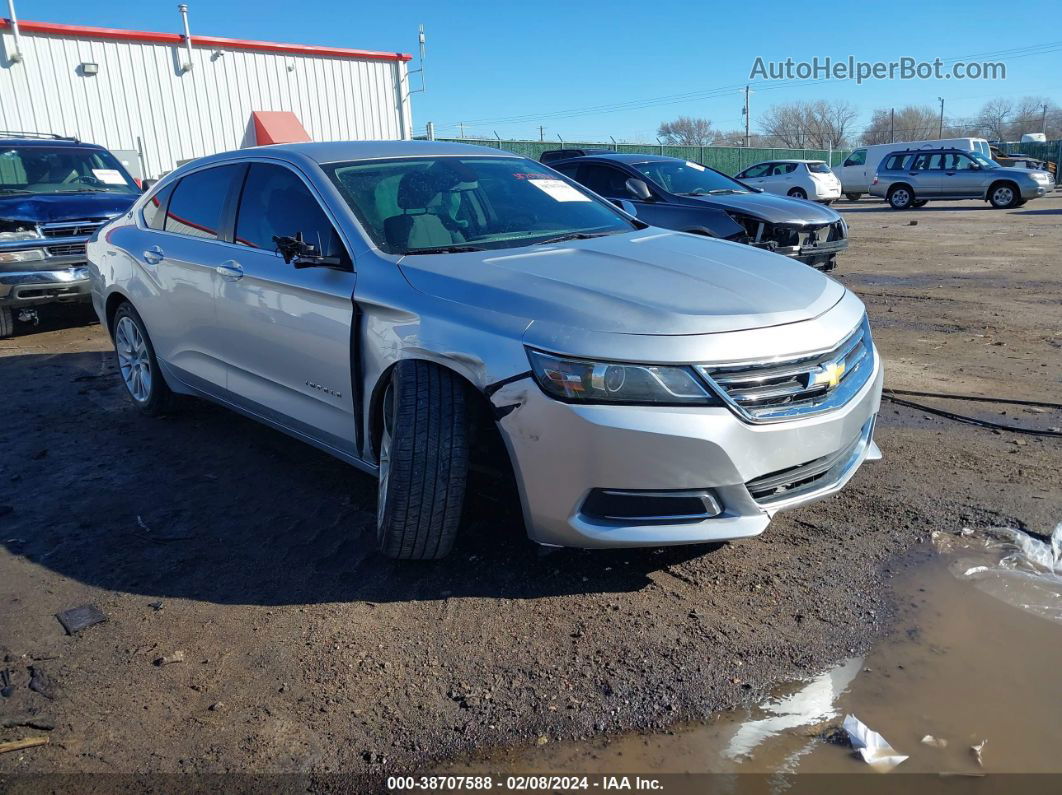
{"points": [[402, 304], [913, 177]]}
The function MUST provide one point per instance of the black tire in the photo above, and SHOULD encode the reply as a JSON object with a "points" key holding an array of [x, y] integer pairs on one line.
{"points": [[900, 197], [7, 322], [853, 197], [919, 203], [423, 462], [797, 193], [1004, 195], [157, 398]]}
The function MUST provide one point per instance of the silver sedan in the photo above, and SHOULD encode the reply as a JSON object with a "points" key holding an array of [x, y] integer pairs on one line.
{"points": [[410, 307]]}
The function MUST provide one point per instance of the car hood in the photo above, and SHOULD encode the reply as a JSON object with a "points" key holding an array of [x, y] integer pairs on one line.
{"points": [[654, 282], [51, 208], [1016, 171], [772, 208]]}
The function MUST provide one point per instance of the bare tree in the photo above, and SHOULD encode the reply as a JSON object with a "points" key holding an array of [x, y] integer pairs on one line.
{"points": [[1031, 115], [687, 131], [737, 138], [995, 118], [910, 123], [817, 125]]}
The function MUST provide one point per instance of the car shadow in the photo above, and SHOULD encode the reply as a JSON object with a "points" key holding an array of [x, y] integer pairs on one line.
{"points": [[1057, 211], [207, 505], [932, 207], [54, 317]]}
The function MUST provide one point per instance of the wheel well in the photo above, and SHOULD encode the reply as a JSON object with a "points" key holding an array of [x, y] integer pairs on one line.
{"points": [[488, 450], [114, 300], [1008, 182], [893, 188]]}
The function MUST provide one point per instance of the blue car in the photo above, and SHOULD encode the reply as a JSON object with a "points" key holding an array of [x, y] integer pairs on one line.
{"points": [[54, 194]]}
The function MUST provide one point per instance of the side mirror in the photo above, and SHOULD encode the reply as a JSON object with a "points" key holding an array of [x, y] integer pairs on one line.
{"points": [[638, 189], [301, 254]]}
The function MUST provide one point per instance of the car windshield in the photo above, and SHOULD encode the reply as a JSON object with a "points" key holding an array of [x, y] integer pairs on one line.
{"points": [[819, 168], [430, 205], [689, 179], [61, 169], [982, 161]]}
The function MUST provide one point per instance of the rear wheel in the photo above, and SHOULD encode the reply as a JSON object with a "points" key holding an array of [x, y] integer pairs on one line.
{"points": [[138, 365], [7, 322], [900, 198], [1004, 195], [798, 193], [423, 462], [853, 197]]}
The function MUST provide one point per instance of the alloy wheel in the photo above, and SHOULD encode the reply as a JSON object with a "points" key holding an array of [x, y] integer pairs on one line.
{"points": [[134, 360], [900, 198], [1002, 196]]}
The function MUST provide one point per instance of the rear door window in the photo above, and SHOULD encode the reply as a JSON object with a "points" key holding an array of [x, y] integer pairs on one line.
{"points": [[757, 171], [276, 203], [197, 206]]}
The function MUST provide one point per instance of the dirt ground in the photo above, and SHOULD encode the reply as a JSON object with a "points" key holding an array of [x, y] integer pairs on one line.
{"points": [[304, 652]]}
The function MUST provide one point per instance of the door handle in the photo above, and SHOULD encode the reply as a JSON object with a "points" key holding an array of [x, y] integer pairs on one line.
{"points": [[153, 256], [230, 270]]}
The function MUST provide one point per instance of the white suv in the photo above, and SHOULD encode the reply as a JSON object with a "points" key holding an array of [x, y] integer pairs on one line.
{"points": [[400, 304]]}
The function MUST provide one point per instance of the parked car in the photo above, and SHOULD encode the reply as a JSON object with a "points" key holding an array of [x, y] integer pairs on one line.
{"points": [[553, 155], [54, 193], [910, 178], [398, 303], [857, 170], [689, 197], [800, 179]]}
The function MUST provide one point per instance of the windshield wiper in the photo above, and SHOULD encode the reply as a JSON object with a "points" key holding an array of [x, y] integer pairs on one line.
{"points": [[573, 236], [714, 192], [84, 190], [454, 249]]}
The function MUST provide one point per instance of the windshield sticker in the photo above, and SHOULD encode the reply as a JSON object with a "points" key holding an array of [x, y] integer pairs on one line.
{"points": [[109, 176], [696, 166], [558, 190]]}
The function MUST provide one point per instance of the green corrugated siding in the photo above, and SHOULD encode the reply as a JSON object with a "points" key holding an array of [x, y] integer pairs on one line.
{"points": [[1049, 151], [728, 159]]}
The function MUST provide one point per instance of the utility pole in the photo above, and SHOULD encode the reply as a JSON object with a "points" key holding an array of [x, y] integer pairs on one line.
{"points": [[892, 126], [746, 116], [461, 124], [1043, 121], [541, 133], [940, 129]]}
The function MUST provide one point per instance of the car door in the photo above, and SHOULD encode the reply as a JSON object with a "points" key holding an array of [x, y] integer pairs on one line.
{"points": [[611, 182], [179, 252], [757, 176], [962, 176], [286, 331], [926, 174], [853, 173]]}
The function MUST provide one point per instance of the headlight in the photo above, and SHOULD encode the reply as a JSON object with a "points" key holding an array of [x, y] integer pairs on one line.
{"points": [[29, 255], [582, 381]]}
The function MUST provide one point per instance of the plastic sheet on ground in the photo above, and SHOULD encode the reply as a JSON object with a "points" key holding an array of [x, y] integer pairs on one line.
{"points": [[1011, 565], [870, 745]]}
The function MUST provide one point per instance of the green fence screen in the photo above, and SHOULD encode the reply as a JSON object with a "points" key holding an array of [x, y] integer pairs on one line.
{"points": [[728, 159]]}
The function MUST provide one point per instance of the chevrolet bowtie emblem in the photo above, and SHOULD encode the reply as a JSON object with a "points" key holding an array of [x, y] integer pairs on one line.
{"points": [[828, 374]]}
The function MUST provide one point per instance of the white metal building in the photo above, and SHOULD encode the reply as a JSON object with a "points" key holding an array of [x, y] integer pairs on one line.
{"points": [[134, 90]]}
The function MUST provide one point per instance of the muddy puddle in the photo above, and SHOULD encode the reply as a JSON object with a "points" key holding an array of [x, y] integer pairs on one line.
{"points": [[975, 657]]}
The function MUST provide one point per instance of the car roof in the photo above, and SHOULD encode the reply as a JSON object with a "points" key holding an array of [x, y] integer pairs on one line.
{"points": [[15, 140], [625, 157], [335, 151]]}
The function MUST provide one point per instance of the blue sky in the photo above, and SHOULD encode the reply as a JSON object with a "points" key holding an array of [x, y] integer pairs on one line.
{"points": [[547, 61]]}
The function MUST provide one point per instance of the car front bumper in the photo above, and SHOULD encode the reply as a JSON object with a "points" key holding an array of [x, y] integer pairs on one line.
{"points": [[31, 287], [1036, 191], [561, 452]]}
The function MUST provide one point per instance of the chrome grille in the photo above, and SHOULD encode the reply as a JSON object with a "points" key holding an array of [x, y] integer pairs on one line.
{"points": [[71, 228], [791, 389], [66, 251]]}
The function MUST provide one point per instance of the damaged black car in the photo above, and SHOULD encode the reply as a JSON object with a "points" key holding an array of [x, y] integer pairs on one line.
{"points": [[689, 197]]}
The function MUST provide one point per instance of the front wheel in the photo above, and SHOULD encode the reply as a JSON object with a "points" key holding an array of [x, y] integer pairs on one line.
{"points": [[901, 198], [138, 364], [798, 193], [853, 197], [1003, 196], [423, 462]]}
